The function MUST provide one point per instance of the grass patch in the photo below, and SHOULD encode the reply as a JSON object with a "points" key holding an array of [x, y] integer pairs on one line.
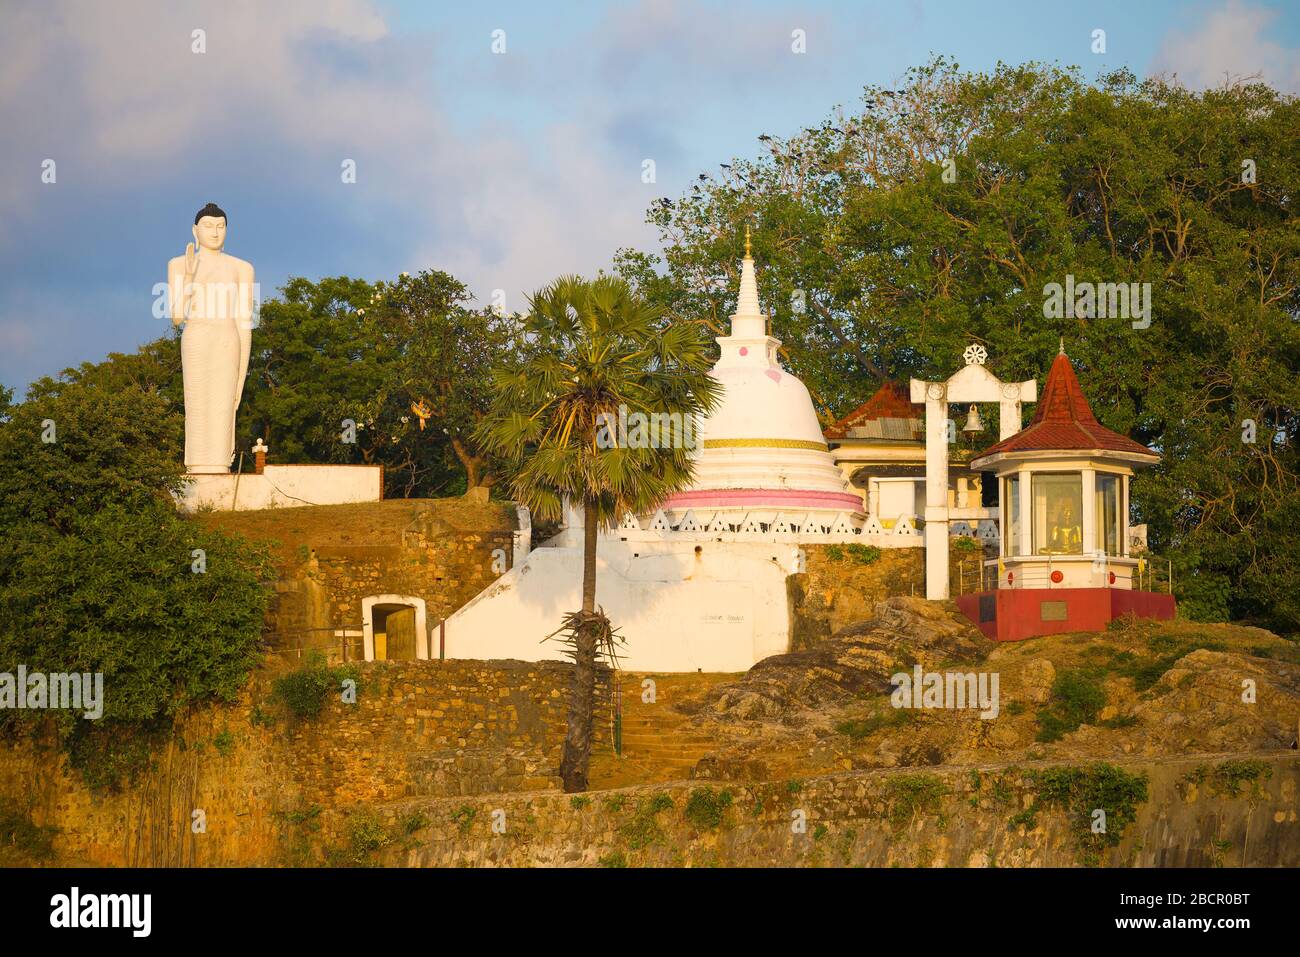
{"points": [[912, 794], [1077, 697], [1231, 778], [643, 829], [1080, 792], [856, 552], [706, 809], [415, 821], [297, 838], [366, 836], [463, 818], [1120, 721], [858, 728]]}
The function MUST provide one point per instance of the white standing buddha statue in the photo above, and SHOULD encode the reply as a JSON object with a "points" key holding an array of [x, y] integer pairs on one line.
{"points": [[212, 294]]}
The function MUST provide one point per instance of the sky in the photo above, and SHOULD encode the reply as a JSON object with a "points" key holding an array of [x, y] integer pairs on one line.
{"points": [[504, 167]]}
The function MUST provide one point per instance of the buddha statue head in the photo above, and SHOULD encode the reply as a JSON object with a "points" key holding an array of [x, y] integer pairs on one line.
{"points": [[1065, 518], [210, 228]]}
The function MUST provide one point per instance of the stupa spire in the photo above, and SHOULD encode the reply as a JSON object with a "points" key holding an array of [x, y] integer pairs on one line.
{"points": [[748, 319]]}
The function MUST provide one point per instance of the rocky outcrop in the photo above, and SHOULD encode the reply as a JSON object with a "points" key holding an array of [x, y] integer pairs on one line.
{"points": [[856, 662]]}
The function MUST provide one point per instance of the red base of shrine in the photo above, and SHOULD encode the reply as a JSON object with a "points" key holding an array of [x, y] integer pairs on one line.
{"points": [[1013, 614]]}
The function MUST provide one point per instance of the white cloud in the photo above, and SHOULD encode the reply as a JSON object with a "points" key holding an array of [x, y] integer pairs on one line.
{"points": [[1230, 43], [114, 93]]}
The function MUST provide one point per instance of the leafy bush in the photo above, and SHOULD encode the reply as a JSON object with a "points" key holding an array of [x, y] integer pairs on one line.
{"points": [[1081, 792], [305, 690], [863, 554]]}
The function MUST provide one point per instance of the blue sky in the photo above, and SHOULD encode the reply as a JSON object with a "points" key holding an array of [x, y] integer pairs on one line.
{"points": [[504, 169]]}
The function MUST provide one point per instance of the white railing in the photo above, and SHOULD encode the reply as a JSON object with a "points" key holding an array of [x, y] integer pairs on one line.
{"points": [[769, 526]]}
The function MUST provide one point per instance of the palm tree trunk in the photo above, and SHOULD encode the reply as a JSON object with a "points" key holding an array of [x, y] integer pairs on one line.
{"points": [[589, 557], [577, 740]]}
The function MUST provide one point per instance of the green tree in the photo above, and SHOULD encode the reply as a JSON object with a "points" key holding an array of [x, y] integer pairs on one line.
{"points": [[71, 449], [939, 213], [100, 574], [446, 351], [346, 349], [589, 348]]}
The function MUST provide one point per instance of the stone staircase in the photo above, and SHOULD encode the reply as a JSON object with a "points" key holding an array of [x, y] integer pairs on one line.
{"points": [[657, 743]]}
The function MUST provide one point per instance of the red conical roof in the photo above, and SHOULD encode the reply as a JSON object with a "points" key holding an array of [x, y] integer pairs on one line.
{"points": [[1063, 420]]}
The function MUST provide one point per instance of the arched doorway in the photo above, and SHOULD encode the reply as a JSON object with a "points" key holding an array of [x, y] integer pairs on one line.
{"points": [[394, 628]]}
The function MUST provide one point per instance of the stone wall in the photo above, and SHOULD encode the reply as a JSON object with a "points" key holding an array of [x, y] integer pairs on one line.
{"points": [[433, 754], [443, 552], [425, 729], [948, 818]]}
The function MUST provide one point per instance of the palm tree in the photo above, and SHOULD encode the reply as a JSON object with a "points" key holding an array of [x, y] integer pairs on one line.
{"points": [[590, 347]]}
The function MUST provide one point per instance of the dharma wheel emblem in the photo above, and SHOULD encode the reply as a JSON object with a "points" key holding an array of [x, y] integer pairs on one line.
{"points": [[975, 354]]}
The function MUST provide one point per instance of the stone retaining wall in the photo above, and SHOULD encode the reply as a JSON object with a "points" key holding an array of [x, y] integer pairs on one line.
{"points": [[417, 728], [948, 817]]}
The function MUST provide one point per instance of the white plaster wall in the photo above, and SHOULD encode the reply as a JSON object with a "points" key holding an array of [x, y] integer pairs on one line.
{"points": [[285, 486], [720, 610], [900, 497]]}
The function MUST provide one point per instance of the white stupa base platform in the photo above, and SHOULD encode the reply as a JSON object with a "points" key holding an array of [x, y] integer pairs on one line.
{"points": [[284, 486], [721, 608]]}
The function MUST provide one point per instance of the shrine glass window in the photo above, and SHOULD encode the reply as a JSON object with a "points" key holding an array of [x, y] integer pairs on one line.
{"points": [[1058, 513], [1108, 527], [1011, 515]]}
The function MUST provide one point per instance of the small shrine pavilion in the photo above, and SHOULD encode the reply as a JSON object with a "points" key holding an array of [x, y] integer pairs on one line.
{"points": [[1064, 562]]}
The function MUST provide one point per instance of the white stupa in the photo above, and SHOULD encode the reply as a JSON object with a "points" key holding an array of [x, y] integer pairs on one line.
{"points": [[761, 453]]}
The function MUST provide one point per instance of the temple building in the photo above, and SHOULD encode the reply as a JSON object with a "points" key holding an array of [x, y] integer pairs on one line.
{"points": [[880, 447], [1064, 561]]}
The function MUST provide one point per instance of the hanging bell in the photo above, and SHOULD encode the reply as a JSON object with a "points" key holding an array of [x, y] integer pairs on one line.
{"points": [[973, 423]]}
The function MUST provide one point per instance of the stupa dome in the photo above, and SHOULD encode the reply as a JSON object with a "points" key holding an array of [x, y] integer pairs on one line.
{"points": [[762, 449]]}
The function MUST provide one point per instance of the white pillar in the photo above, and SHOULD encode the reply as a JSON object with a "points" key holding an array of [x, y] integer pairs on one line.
{"points": [[1090, 545], [1009, 415], [1026, 514], [936, 488]]}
